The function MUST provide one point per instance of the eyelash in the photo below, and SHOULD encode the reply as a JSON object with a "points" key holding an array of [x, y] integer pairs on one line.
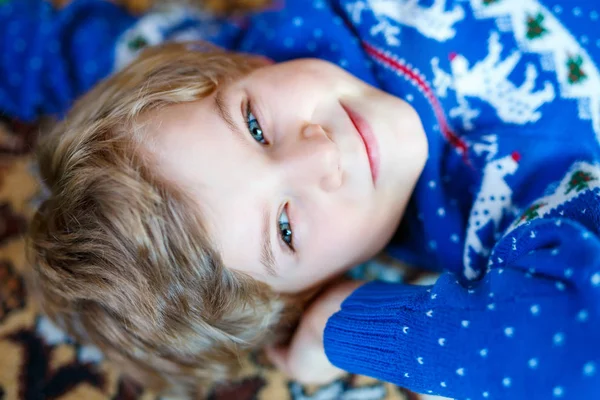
{"points": [[285, 229], [255, 130], [254, 127]]}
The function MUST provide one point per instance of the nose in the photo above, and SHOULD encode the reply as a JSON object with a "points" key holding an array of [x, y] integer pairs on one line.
{"points": [[316, 159]]}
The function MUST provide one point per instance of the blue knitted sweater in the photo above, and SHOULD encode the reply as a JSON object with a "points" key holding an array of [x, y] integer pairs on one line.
{"points": [[507, 208]]}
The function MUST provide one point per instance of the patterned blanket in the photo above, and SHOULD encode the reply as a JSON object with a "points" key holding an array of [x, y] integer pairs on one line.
{"points": [[37, 361]]}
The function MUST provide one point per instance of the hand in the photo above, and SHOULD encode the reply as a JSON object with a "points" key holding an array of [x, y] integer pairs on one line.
{"points": [[304, 360]]}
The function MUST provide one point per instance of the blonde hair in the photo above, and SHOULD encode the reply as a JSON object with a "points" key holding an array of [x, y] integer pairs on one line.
{"points": [[119, 256]]}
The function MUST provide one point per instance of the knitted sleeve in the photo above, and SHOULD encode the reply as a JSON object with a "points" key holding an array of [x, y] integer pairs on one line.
{"points": [[527, 329], [48, 57]]}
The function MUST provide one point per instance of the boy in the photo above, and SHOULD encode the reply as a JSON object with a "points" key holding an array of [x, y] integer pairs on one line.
{"points": [[141, 247]]}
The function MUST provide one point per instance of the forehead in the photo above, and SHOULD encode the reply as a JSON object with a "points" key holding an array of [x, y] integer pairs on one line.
{"points": [[196, 150], [189, 141]]}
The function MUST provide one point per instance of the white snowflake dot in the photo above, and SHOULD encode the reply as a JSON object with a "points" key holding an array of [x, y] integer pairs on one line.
{"points": [[429, 313], [420, 360], [535, 309], [486, 394], [509, 331], [595, 279], [557, 9], [582, 316], [441, 212], [405, 330], [460, 372], [465, 323], [298, 21], [558, 391], [558, 339], [569, 272], [533, 363], [506, 382], [410, 97], [491, 306], [560, 286], [589, 368], [483, 352], [406, 375], [434, 296], [577, 11], [443, 384], [442, 341], [454, 238], [554, 252], [432, 184]]}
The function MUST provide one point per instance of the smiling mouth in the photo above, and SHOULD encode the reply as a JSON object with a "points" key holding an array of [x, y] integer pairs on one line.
{"points": [[368, 138]]}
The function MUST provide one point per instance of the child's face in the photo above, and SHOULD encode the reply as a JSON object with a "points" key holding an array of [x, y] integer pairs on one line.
{"points": [[289, 191]]}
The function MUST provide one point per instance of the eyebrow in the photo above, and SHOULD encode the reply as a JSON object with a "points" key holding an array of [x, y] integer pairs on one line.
{"points": [[266, 255], [267, 258], [225, 114]]}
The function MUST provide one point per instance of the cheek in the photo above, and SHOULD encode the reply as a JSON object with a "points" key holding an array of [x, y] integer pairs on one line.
{"points": [[345, 237]]}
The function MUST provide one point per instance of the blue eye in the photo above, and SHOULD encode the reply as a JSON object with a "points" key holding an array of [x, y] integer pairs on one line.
{"points": [[254, 127], [285, 229]]}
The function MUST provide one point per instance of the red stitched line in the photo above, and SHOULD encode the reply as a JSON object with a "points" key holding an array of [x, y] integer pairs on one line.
{"points": [[402, 69]]}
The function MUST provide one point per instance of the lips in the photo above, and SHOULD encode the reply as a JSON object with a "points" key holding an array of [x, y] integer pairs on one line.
{"points": [[368, 138]]}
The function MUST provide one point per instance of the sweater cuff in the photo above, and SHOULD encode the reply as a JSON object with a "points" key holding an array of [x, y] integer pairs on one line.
{"points": [[369, 335]]}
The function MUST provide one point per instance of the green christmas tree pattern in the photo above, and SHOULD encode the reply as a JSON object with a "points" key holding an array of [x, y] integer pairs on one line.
{"points": [[490, 2], [580, 180], [576, 73], [535, 27], [531, 212]]}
